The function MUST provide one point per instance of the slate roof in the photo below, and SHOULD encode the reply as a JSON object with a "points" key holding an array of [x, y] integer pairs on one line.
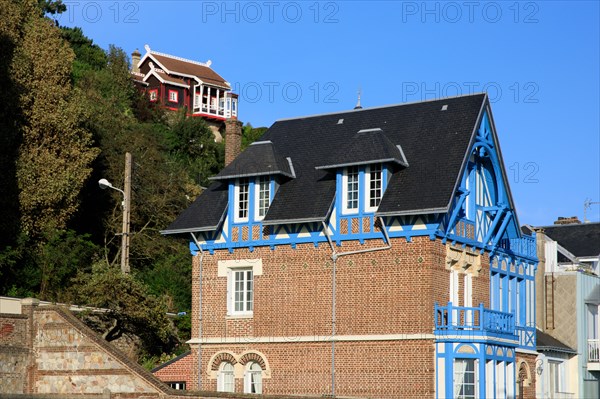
{"points": [[435, 141], [580, 239], [368, 146], [259, 159], [206, 213], [182, 66], [546, 342]]}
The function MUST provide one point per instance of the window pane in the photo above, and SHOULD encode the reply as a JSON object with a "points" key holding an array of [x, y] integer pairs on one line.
{"points": [[243, 198], [264, 193], [375, 186], [243, 287], [352, 188]]}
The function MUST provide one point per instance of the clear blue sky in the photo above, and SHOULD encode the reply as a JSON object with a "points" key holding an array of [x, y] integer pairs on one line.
{"points": [[538, 61]]}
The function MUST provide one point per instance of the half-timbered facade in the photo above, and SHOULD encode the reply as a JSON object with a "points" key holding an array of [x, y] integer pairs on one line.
{"points": [[369, 253], [175, 83]]}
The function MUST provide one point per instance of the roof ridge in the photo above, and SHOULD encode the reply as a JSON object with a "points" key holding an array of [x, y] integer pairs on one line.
{"points": [[204, 64], [381, 107]]}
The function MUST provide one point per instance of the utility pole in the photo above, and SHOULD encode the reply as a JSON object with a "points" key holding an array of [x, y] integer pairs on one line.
{"points": [[126, 215]]}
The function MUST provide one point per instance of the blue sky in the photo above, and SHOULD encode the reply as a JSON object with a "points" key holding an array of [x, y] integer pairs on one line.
{"points": [[539, 61]]}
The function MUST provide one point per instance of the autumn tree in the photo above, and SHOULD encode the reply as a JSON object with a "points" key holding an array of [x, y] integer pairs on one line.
{"points": [[55, 152]]}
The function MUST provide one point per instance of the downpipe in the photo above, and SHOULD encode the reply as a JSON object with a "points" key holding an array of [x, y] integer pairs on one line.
{"points": [[199, 311], [334, 257]]}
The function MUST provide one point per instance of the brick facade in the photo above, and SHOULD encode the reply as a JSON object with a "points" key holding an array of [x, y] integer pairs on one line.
{"points": [[384, 317]]}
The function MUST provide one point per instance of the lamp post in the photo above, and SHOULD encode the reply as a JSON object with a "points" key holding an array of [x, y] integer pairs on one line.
{"points": [[125, 204]]}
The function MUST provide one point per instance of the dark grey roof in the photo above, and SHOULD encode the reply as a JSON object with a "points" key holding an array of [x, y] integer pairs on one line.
{"points": [[205, 214], [368, 146], [260, 158], [579, 239], [165, 364], [435, 141], [546, 342]]}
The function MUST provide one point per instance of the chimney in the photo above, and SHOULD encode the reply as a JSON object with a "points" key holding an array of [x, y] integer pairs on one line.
{"points": [[567, 220], [135, 60], [233, 139]]}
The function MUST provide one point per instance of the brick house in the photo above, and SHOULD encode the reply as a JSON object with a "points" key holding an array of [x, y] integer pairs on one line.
{"points": [[369, 253], [176, 83]]}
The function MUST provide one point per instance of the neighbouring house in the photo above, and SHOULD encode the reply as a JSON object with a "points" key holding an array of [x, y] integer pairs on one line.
{"points": [[567, 302], [369, 253], [176, 83]]}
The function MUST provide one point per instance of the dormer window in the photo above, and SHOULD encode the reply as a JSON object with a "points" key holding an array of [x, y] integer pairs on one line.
{"points": [[351, 200], [242, 199], [252, 198], [363, 187], [264, 196], [374, 186]]}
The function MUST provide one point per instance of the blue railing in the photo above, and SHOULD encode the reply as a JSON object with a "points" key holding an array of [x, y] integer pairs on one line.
{"points": [[452, 318], [524, 246]]}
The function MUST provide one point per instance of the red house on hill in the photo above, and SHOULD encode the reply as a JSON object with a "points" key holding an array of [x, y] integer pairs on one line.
{"points": [[176, 83]]}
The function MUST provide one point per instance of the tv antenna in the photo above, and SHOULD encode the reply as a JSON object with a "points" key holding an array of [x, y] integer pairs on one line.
{"points": [[587, 204]]}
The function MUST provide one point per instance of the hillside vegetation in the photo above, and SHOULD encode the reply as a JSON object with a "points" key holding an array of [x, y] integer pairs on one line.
{"points": [[69, 113]]}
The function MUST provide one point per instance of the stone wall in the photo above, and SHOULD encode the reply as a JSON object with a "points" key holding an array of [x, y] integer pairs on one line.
{"points": [[14, 353]]}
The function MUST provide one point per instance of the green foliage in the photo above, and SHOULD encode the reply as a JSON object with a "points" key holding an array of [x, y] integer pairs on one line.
{"points": [[171, 276], [131, 309], [52, 6], [192, 144], [56, 152], [88, 56], [251, 134]]}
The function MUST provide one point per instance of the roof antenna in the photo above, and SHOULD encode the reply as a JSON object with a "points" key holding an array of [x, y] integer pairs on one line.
{"points": [[587, 204], [358, 106]]}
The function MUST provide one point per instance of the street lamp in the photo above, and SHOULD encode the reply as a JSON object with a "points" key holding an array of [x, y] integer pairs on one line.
{"points": [[125, 204]]}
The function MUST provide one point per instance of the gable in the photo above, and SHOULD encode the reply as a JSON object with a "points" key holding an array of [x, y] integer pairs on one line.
{"points": [[483, 210]]}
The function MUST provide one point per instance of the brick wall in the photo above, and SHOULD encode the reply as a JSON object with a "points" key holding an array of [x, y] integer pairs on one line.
{"points": [[177, 370], [383, 293]]}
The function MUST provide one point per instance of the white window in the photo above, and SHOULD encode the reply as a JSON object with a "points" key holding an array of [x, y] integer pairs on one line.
{"points": [[242, 194], [225, 381], [153, 94], [350, 196], [180, 386], [253, 378], [241, 299], [465, 384], [173, 96], [557, 377], [374, 187], [263, 200]]}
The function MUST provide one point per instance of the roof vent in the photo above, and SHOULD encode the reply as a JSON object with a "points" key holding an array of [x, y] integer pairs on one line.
{"points": [[340, 121], [444, 107]]}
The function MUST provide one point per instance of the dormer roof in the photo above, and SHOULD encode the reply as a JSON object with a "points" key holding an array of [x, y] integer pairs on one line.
{"points": [[367, 146], [435, 138], [260, 159]]}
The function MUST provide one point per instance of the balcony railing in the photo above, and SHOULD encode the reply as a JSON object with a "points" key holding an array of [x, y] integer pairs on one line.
{"points": [[593, 351], [455, 319], [524, 246]]}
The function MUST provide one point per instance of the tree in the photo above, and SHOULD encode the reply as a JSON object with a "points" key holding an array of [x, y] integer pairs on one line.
{"points": [[55, 152], [128, 308], [251, 134]]}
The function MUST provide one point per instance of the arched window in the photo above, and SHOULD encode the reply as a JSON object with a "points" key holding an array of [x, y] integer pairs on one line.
{"points": [[225, 381], [253, 378]]}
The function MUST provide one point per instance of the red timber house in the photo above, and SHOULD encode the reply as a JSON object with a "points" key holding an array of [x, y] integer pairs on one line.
{"points": [[176, 83], [371, 253]]}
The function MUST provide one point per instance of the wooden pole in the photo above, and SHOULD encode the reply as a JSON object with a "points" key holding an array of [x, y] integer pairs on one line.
{"points": [[126, 214]]}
